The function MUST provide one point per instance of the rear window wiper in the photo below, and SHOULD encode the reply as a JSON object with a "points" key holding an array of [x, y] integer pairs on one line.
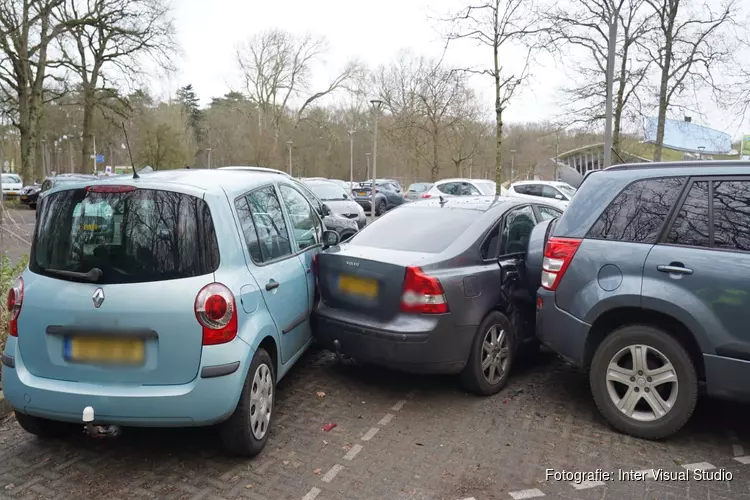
{"points": [[92, 276]]}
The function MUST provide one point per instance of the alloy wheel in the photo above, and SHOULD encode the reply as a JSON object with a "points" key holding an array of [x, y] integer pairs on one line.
{"points": [[261, 401], [495, 354]]}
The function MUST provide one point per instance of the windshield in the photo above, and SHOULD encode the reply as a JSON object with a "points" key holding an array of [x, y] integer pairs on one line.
{"points": [[431, 230], [11, 179], [566, 189], [488, 188], [420, 187], [134, 236], [327, 191]]}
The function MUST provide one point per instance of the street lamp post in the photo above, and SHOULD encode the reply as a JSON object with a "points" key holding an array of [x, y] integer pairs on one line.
{"points": [[512, 164], [351, 160], [367, 173], [289, 147], [208, 150], [376, 104]]}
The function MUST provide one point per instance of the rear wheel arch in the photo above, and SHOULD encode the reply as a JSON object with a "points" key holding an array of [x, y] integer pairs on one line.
{"points": [[269, 344], [613, 319]]}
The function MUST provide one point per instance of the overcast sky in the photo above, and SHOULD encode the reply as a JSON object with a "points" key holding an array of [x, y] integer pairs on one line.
{"points": [[210, 30]]}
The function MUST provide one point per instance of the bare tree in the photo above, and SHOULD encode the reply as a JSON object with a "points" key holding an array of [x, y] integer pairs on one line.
{"points": [[502, 26], [584, 24], [276, 68], [27, 28], [686, 46], [111, 45]]}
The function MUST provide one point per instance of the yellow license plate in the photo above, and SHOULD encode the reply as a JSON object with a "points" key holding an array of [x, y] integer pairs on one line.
{"points": [[362, 193], [104, 350], [24, 197], [358, 286], [89, 227]]}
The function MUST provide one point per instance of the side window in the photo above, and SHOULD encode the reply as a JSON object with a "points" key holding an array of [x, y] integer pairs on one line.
{"points": [[639, 211], [534, 190], [549, 192], [521, 189], [690, 228], [269, 223], [304, 221], [469, 190], [248, 229], [449, 188], [548, 213], [490, 245], [517, 230], [731, 200]]}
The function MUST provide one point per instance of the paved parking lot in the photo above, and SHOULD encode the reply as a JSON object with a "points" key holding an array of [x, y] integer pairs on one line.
{"points": [[396, 437], [17, 231]]}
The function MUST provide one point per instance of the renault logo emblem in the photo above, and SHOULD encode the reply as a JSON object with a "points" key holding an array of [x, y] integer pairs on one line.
{"points": [[98, 297]]}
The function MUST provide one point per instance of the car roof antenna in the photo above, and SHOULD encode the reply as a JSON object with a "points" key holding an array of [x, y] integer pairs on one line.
{"points": [[130, 154]]}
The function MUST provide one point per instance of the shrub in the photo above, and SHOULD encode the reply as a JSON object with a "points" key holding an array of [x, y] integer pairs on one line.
{"points": [[9, 272]]}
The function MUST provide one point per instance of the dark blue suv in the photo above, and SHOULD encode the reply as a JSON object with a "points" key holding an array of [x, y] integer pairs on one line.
{"points": [[646, 283]]}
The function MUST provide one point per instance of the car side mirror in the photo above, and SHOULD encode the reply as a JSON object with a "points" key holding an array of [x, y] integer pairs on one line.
{"points": [[330, 238], [324, 210], [558, 197]]}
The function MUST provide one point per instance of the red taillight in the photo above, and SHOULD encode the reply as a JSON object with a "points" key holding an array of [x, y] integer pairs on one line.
{"points": [[216, 311], [15, 301], [110, 189], [426, 195], [558, 254], [422, 293]]}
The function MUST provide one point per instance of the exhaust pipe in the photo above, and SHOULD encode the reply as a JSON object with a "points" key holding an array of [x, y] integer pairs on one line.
{"points": [[98, 431]]}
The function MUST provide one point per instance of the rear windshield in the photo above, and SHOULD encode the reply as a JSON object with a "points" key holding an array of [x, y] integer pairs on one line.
{"points": [[10, 178], [488, 188], [416, 229], [131, 237], [419, 188]]}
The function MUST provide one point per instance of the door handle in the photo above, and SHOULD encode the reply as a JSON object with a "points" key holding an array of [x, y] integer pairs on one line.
{"points": [[271, 285], [674, 268]]}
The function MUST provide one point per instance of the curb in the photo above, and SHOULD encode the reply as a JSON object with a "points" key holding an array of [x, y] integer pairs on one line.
{"points": [[5, 408]]}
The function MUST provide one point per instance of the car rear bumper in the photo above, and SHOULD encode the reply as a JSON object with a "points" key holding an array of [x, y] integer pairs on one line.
{"points": [[438, 347], [726, 378], [210, 398], [365, 204], [559, 330]]}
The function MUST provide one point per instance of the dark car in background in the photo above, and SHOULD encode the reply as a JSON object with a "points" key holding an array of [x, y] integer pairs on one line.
{"points": [[417, 189], [387, 196], [646, 284], [338, 200], [34, 195], [447, 296], [30, 195]]}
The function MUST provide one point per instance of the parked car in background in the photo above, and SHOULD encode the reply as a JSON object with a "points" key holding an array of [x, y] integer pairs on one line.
{"points": [[645, 282], [344, 226], [338, 201], [461, 187], [12, 185], [180, 320], [551, 190], [387, 196], [417, 189], [448, 295], [29, 195]]}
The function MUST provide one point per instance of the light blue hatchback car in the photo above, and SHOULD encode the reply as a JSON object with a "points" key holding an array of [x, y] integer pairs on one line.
{"points": [[178, 298]]}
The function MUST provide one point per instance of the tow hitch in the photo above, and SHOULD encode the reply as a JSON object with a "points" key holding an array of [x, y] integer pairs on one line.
{"points": [[98, 431]]}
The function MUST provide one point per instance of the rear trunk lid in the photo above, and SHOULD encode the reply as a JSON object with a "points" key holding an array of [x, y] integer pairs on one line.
{"points": [[365, 279], [112, 280]]}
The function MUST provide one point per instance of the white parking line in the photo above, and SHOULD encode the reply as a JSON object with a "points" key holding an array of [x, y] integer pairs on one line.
{"points": [[743, 460], [399, 405], [331, 474], [370, 434], [353, 452], [518, 495], [584, 485], [312, 494], [386, 420], [699, 466]]}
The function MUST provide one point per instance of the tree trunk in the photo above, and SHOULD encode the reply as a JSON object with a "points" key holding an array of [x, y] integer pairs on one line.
{"points": [[87, 137], [664, 85], [435, 171], [498, 119], [619, 105], [27, 142]]}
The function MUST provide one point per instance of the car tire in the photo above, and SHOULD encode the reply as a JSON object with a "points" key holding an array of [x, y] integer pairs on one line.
{"points": [[485, 382], [380, 207], [32, 206], [657, 346], [237, 433], [42, 427]]}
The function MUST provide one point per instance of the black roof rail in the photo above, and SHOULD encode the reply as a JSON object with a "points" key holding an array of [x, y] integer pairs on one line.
{"points": [[681, 164]]}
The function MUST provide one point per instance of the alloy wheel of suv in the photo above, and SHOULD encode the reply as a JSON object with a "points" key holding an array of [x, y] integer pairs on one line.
{"points": [[644, 382], [380, 208]]}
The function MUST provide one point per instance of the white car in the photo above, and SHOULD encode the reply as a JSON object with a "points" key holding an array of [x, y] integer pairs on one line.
{"points": [[560, 192], [461, 187], [12, 185]]}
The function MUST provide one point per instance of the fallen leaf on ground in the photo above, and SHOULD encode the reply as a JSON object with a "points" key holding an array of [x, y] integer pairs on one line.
{"points": [[286, 462], [249, 486], [320, 394], [325, 442], [317, 472], [328, 427]]}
